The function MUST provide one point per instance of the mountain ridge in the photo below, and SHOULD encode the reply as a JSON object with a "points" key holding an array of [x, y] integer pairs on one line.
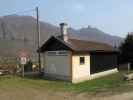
{"points": [[22, 29]]}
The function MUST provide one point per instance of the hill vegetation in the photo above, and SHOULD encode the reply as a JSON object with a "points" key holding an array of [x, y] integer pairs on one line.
{"points": [[17, 32]]}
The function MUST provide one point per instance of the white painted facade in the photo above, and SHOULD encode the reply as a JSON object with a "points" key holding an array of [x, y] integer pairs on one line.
{"points": [[58, 65], [68, 67], [80, 71]]}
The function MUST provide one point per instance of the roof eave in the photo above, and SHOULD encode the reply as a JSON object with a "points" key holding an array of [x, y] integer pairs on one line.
{"points": [[41, 49]]}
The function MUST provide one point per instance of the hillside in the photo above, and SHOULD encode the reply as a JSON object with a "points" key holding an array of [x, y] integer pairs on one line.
{"points": [[18, 32]]}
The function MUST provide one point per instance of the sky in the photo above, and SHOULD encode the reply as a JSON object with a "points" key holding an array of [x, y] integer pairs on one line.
{"points": [[114, 17]]}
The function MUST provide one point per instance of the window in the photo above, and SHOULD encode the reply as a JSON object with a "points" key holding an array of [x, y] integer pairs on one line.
{"points": [[82, 60], [51, 53], [63, 53], [57, 53]]}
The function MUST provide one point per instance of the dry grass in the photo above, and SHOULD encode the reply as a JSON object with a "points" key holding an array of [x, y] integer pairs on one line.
{"points": [[17, 88]]}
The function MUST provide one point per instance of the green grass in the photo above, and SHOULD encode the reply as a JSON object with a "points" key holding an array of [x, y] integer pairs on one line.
{"points": [[111, 83]]}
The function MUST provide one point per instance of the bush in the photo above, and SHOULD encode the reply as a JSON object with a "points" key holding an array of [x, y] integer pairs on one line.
{"points": [[126, 49], [28, 66]]}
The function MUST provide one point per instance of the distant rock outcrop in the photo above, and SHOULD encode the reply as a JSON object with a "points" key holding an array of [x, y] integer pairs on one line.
{"points": [[18, 32]]}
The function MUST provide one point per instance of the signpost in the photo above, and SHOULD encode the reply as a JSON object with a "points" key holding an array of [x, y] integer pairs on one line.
{"points": [[23, 55], [128, 68], [23, 61]]}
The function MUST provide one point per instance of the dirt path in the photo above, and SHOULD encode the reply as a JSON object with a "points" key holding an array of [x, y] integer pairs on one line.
{"points": [[33, 94], [124, 96]]}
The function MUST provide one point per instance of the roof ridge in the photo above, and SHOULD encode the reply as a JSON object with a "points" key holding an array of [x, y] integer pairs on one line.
{"points": [[90, 41]]}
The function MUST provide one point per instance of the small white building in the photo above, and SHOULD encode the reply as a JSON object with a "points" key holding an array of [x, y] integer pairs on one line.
{"points": [[77, 60]]}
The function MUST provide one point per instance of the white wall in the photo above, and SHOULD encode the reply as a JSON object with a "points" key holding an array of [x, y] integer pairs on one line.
{"points": [[80, 72], [57, 65], [63, 66]]}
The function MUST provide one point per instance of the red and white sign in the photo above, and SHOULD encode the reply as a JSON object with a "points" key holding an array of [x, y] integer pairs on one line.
{"points": [[23, 55], [23, 60]]}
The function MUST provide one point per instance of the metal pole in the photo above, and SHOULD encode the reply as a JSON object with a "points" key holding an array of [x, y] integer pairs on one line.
{"points": [[38, 32], [128, 68], [23, 70]]}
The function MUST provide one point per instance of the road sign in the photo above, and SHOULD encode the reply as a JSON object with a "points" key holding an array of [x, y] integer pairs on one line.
{"points": [[23, 60], [23, 53]]}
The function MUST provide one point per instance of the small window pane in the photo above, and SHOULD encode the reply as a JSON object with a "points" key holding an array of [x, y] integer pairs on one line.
{"points": [[51, 53], [82, 60], [63, 53], [57, 53]]}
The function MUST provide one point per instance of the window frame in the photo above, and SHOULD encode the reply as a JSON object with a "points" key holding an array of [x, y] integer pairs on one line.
{"points": [[57, 53], [81, 60]]}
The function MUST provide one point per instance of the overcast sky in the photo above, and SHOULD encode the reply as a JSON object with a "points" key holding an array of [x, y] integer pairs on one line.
{"points": [[111, 16]]}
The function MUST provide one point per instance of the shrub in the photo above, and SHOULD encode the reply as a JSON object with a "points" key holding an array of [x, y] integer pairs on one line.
{"points": [[28, 66]]}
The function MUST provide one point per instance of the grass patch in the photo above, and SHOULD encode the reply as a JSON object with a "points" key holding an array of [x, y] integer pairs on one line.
{"points": [[101, 84], [109, 83]]}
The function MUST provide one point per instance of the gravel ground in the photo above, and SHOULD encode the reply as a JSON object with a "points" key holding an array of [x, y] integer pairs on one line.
{"points": [[34, 94]]}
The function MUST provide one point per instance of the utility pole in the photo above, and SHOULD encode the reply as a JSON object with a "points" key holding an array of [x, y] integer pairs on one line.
{"points": [[128, 70], [3, 30], [38, 32]]}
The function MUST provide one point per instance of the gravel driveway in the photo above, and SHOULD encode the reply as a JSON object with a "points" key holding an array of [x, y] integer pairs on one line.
{"points": [[34, 94]]}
